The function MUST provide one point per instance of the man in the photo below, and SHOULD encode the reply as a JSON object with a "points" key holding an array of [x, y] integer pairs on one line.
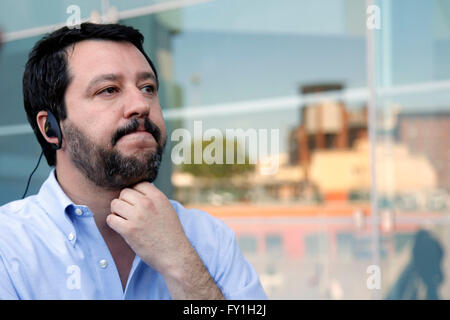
{"points": [[98, 228]]}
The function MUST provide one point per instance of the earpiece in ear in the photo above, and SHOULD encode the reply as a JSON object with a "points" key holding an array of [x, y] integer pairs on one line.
{"points": [[52, 129]]}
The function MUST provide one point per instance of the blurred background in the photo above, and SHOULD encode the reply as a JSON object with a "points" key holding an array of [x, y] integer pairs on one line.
{"points": [[359, 93]]}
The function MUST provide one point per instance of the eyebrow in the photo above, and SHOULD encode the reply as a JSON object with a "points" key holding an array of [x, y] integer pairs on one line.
{"points": [[101, 78], [145, 75]]}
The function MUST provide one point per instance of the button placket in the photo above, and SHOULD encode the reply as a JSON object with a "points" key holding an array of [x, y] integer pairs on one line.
{"points": [[98, 253]]}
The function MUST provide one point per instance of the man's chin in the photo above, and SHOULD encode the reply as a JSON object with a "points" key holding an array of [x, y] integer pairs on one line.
{"points": [[133, 182], [121, 182]]}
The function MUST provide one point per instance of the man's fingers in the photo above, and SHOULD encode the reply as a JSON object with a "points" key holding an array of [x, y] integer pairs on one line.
{"points": [[117, 223], [146, 188], [130, 195], [121, 208]]}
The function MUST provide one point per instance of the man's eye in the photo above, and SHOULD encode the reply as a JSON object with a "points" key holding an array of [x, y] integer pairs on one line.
{"points": [[108, 91], [148, 89]]}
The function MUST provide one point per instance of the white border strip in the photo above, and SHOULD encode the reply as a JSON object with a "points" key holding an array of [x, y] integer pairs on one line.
{"points": [[15, 129], [261, 105], [234, 108], [27, 33], [414, 88]]}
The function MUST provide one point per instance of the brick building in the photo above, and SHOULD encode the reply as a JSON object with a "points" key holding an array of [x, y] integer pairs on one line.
{"points": [[428, 134]]}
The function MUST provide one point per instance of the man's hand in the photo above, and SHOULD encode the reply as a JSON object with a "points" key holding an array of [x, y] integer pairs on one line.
{"points": [[144, 217]]}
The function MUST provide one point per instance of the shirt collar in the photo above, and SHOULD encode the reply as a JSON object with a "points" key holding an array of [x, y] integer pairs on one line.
{"points": [[57, 205]]}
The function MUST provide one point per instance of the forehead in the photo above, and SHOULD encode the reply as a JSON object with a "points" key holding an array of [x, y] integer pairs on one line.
{"points": [[89, 58]]}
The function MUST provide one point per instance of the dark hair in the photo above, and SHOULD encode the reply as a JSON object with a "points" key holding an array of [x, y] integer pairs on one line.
{"points": [[46, 75]]}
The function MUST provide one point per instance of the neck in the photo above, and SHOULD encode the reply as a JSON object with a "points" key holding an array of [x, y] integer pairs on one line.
{"points": [[82, 191]]}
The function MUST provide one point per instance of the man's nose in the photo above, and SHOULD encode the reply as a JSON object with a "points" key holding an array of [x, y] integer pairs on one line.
{"points": [[136, 105]]}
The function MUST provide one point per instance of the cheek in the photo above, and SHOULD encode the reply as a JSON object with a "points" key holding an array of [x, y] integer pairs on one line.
{"points": [[98, 133], [162, 126], [158, 119], [102, 127]]}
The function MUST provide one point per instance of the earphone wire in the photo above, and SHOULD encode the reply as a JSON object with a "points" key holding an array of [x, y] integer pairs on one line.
{"points": [[29, 178]]}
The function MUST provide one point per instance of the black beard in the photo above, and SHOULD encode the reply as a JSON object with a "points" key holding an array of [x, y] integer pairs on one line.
{"points": [[109, 169]]}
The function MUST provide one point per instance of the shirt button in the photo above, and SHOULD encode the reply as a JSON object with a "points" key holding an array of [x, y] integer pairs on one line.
{"points": [[71, 236], [103, 263], [78, 212]]}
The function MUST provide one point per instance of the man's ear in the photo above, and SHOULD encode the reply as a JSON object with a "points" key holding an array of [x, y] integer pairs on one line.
{"points": [[41, 119]]}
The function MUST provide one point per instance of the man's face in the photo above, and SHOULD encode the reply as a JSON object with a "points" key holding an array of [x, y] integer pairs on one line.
{"points": [[114, 131]]}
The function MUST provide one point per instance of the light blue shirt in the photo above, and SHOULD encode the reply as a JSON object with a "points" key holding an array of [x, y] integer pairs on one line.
{"points": [[51, 248]]}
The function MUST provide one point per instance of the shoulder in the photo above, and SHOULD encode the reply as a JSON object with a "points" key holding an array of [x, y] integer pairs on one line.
{"points": [[19, 220], [18, 206], [15, 212], [20, 210]]}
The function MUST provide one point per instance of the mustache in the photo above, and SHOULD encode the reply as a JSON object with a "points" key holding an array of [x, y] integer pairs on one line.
{"points": [[133, 125]]}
